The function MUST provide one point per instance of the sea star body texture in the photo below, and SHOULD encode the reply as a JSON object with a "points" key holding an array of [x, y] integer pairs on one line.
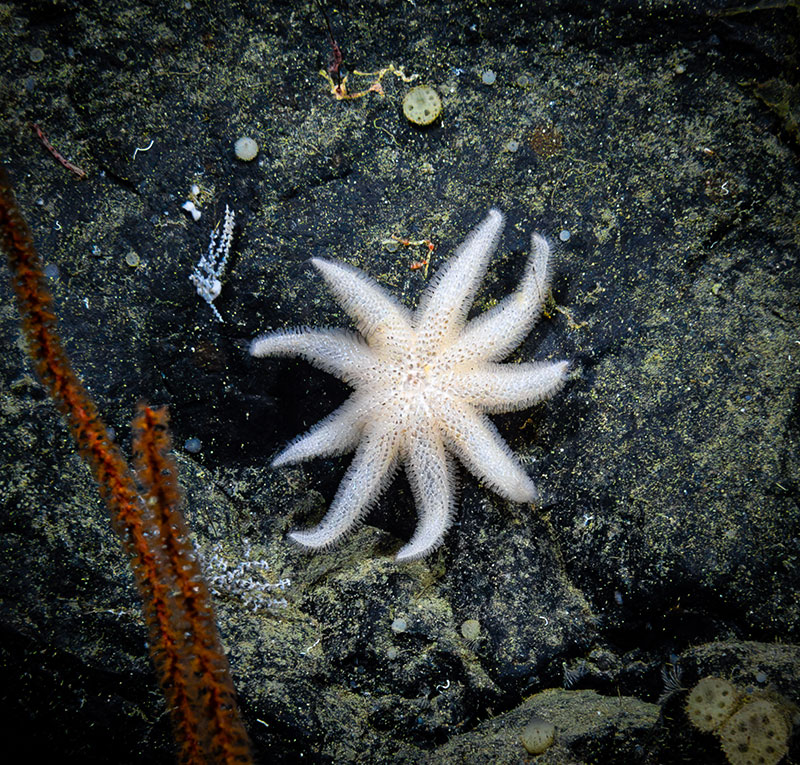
{"points": [[424, 382]]}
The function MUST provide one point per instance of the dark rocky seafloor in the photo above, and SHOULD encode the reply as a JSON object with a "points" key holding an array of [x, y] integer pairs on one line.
{"points": [[662, 136]]}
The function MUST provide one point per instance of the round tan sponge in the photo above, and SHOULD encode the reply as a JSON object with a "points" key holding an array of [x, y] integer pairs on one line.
{"points": [[422, 105], [711, 702], [758, 734]]}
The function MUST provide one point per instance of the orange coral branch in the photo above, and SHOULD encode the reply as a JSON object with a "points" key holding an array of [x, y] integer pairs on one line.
{"points": [[222, 732], [184, 642]]}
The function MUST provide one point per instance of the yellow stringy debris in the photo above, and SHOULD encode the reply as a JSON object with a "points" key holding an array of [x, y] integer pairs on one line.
{"points": [[340, 92]]}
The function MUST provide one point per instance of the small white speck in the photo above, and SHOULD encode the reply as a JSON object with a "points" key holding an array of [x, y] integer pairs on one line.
{"points": [[191, 208]]}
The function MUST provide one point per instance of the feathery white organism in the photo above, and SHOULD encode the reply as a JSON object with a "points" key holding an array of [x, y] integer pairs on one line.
{"points": [[424, 382], [207, 274]]}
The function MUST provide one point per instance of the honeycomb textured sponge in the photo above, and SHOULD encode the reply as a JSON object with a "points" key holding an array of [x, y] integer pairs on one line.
{"points": [[711, 702], [757, 734]]}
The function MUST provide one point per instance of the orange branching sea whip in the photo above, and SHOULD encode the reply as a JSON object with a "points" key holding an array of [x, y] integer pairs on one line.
{"points": [[183, 638]]}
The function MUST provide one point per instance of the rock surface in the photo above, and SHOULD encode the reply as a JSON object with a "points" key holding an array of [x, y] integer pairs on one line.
{"points": [[661, 138]]}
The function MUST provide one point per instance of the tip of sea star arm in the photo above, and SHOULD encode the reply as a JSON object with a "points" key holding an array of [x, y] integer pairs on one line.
{"points": [[477, 443], [428, 536], [335, 434], [291, 455], [334, 527], [431, 473], [310, 540], [416, 550], [279, 343], [444, 305], [523, 490], [507, 477], [257, 346], [369, 473], [370, 305], [338, 523]]}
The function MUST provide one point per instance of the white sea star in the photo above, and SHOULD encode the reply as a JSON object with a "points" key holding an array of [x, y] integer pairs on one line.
{"points": [[423, 383]]}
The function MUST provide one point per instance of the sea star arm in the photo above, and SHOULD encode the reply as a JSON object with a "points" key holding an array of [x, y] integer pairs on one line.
{"points": [[384, 323], [338, 433], [432, 477], [337, 351], [507, 387], [444, 305], [495, 333], [368, 475], [480, 447]]}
